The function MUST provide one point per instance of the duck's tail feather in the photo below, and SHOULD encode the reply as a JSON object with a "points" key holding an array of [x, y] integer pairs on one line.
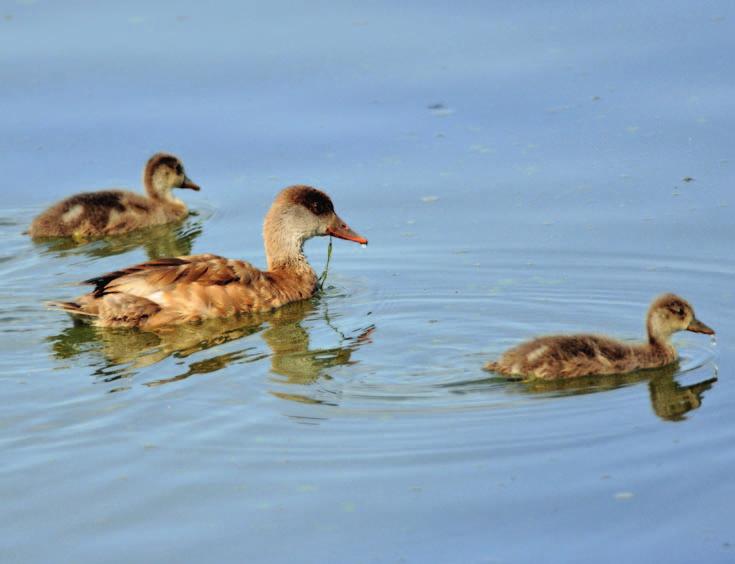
{"points": [[72, 308]]}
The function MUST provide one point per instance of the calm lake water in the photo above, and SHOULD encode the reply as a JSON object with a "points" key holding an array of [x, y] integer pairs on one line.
{"points": [[519, 170]]}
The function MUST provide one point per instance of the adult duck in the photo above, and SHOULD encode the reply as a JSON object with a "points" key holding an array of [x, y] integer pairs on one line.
{"points": [[188, 288]]}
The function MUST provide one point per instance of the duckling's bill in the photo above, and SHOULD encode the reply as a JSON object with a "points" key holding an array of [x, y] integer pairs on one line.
{"points": [[189, 184], [696, 326]]}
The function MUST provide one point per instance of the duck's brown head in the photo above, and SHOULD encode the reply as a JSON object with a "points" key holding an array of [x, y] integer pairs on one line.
{"points": [[162, 173], [300, 213], [669, 313]]}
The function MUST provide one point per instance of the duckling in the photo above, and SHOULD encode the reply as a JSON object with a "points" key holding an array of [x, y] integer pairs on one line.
{"points": [[111, 212], [570, 356], [188, 288]]}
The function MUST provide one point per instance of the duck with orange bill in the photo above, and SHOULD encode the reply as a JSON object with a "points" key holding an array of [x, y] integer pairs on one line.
{"points": [[189, 288]]}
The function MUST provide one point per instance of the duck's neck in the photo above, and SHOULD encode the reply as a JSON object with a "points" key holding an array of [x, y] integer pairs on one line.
{"points": [[289, 258], [284, 249]]}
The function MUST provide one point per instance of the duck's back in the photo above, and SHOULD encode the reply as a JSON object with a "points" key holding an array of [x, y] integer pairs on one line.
{"points": [[569, 356], [96, 214]]}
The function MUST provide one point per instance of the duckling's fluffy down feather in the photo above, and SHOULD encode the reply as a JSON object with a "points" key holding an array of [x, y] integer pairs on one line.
{"points": [[109, 212], [570, 356]]}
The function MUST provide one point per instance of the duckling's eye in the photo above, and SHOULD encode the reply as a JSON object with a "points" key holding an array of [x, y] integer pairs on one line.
{"points": [[179, 169], [678, 311]]}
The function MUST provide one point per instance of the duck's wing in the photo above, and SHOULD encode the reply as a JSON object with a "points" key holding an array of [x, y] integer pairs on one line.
{"points": [[155, 275], [182, 288], [164, 274]]}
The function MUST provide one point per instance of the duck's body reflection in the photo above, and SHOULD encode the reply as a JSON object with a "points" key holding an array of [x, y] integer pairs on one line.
{"points": [[282, 331], [669, 399]]}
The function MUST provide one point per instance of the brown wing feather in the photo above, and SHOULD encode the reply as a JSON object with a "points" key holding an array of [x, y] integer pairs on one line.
{"points": [[181, 289], [163, 274], [102, 282]]}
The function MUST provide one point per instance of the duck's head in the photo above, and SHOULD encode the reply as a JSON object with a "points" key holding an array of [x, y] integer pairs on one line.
{"points": [[669, 313], [299, 213], [162, 173]]}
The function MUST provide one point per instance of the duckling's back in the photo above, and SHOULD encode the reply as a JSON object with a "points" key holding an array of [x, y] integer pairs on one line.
{"points": [[96, 214], [80, 215], [568, 356]]}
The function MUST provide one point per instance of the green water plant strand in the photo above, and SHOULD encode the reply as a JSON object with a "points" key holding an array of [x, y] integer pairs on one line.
{"points": [[323, 277]]}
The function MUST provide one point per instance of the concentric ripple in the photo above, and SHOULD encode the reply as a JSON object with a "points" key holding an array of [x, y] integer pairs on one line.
{"points": [[364, 348], [430, 343]]}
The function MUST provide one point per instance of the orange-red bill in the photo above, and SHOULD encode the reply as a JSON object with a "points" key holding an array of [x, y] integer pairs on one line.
{"points": [[696, 326], [187, 183], [341, 230]]}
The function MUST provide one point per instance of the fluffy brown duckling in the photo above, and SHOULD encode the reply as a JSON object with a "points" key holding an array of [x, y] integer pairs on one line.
{"points": [[111, 212], [188, 288], [570, 356]]}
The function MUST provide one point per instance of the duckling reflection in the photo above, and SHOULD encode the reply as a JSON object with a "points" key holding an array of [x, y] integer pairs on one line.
{"points": [[282, 330], [158, 241], [670, 400]]}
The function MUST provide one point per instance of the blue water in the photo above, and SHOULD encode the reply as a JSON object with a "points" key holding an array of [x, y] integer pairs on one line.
{"points": [[519, 170]]}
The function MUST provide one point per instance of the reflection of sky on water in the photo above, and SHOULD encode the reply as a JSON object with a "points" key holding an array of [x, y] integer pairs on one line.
{"points": [[518, 169]]}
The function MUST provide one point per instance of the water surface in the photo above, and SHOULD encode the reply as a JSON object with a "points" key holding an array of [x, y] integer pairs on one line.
{"points": [[519, 170]]}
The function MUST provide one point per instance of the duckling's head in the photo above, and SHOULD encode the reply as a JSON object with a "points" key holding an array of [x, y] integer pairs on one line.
{"points": [[299, 213], [162, 173], [668, 314]]}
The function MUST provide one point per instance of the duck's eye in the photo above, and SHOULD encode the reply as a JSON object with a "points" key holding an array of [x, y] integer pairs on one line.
{"points": [[314, 201], [179, 169], [317, 207]]}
